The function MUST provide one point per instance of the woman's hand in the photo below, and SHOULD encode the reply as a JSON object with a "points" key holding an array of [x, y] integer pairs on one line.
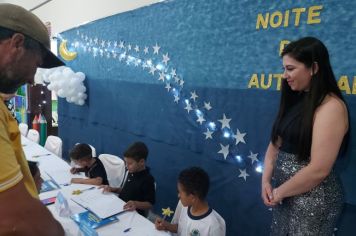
{"points": [[267, 195], [277, 198]]}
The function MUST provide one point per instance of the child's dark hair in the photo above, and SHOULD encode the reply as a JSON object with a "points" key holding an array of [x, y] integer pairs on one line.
{"points": [[80, 151], [33, 167], [195, 180], [137, 151]]}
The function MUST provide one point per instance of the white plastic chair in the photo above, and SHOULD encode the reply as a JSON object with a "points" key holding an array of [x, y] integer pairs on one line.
{"points": [[23, 129], [54, 145], [33, 135], [93, 151], [114, 167]]}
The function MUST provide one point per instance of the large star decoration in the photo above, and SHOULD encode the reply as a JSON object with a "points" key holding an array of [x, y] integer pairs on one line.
{"points": [[239, 137], [243, 174], [208, 134], [224, 150], [156, 49], [188, 107], [194, 95], [207, 106], [225, 122], [253, 157], [200, 119]]}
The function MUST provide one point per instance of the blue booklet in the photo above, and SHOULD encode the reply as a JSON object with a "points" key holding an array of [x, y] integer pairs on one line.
{"points": [[48, 185], [91, 220]]}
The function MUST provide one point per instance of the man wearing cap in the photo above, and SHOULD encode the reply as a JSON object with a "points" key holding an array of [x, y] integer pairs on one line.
{"points": [[24, 46]]}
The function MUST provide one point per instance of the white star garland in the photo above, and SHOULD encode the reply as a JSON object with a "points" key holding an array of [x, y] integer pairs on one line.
{"points": [[116, 50]]}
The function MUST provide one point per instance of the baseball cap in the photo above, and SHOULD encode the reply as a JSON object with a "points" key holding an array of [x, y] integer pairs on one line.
{"points": [[20, 20]]}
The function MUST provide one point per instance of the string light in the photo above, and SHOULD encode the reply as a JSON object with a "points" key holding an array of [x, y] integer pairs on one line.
{"points": [[123, 50]]}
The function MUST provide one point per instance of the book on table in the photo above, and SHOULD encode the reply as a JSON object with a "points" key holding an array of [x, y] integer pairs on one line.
{"points": [[91, 220], [103, 205], [48, 185]]}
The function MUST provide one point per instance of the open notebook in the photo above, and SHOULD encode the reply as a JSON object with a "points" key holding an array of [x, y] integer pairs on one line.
{"points": [[101, 204]]}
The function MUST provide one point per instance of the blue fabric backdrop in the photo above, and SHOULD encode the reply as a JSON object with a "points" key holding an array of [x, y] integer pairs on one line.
{"points": [[215, 48]]}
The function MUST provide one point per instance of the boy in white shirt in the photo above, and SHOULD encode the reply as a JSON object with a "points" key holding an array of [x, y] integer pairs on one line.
{"points": [[193, 216]]}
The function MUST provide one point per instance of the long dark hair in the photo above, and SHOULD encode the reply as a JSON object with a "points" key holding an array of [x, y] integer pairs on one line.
{"points": [[309, 51]]}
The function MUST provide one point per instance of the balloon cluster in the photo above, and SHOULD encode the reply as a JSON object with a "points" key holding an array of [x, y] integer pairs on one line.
{"points": [[64, 82]]}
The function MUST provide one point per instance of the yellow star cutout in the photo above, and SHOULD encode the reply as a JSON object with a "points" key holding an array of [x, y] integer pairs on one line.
{"points": [[76, 192], [167, 211]]}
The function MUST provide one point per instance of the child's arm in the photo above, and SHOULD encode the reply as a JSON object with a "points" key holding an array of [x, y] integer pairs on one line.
{"points": [[74, 170], [107, 188], [93, 181], [164, 225], [133, 205]]}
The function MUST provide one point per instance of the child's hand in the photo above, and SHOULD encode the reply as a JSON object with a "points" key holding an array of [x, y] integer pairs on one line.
{"points": [[73, 170], [106, 188], [160, 224], [130, 206]]}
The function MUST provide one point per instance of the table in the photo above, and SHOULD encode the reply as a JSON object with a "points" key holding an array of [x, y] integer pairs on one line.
{"points": [[50, 163]]}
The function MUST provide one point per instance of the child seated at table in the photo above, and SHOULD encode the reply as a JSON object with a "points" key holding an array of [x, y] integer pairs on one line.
{"points": [[138, 191], [36, 174], [81, 155], [193, 216]]}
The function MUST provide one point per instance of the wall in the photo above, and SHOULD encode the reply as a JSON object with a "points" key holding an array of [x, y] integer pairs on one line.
{"points": [[227, 54], [66, 14]]}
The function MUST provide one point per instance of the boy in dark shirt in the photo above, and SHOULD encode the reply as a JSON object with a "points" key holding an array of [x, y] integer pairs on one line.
{"points": [[138, 190], [94, 169]]}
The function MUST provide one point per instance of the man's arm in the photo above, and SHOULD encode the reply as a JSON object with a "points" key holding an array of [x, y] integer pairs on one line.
{"points": [[21, 214]]}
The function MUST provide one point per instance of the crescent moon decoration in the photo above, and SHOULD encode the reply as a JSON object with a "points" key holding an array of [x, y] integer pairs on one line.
{"points": [[65, 54]]}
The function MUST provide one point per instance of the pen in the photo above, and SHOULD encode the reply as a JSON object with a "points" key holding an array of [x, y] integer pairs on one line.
{"points": [[42, 155], [88, 189]]}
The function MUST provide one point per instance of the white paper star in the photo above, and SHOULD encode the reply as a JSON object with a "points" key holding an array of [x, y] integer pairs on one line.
{"points": [[108, 43], [224, 150], [115, 44], [129, 47], [193, 95], [145, 50], [176, 98], [207, 106], [137, 62], [168, 86], [121, 44], [181, 83], [253, 157], [208, 134], [239, 137], [176, 79], [152, 70], [173, 72], [156, 49], [165, 58], [102, 43], [200, 119], [225, 122], [96, 40], [161, 76], [243, 174], [188, 107]]}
